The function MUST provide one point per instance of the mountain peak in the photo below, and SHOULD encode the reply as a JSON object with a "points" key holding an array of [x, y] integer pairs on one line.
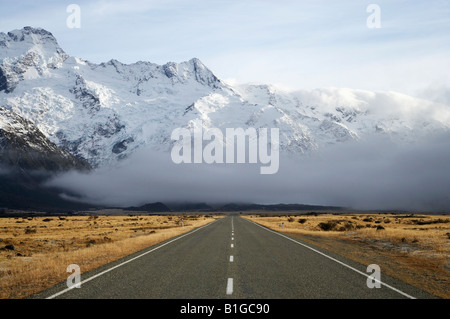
{"points": [[197, 62], [27, 53], [194, 68], [203, 74], [20, 42], [29, 35]]}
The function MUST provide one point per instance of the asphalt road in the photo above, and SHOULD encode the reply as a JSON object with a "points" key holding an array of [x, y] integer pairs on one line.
{"points": [[233, 258]]}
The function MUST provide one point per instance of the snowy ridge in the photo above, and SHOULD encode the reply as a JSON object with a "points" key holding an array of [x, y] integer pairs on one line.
{"points": [[105, 112], [23, 146]]}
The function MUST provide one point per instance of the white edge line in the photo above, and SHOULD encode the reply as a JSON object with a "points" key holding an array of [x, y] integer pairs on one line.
{"points": [[338, 261], [126, 262]]}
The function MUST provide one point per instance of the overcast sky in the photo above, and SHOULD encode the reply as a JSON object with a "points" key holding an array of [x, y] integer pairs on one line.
{"points": [[291, 43]]}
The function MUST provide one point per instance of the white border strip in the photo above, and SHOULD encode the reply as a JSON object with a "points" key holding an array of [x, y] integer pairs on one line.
{"points": [[128, 261], [333, 259]]}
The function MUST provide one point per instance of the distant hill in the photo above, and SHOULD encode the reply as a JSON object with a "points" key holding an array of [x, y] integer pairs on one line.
{"points": [[276, 207], [157, 207], [182, 207]]}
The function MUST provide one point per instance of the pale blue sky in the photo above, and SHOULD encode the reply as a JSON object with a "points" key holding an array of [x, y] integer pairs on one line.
{"points": [[295, 44]]}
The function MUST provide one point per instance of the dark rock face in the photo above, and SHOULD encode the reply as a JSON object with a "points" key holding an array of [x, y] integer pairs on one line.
{"points": [[90, 101], [111, 127], [6, 84], [3, 82], [24, 147], [122, 146], [170, 69]]}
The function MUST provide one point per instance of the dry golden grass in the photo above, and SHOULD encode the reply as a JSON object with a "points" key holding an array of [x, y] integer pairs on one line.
{"points": [[45, 246], [414, 248]]}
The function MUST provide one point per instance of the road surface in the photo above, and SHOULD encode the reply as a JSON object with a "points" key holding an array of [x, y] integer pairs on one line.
{"points": [[233, 258]]}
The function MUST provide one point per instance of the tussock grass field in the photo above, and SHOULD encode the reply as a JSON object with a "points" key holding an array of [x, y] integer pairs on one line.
{"points": [[35, 251], [412, 247]]}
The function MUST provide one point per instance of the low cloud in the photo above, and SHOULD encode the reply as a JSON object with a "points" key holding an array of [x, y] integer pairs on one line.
{"points": [[374, 174], [436, 93]]}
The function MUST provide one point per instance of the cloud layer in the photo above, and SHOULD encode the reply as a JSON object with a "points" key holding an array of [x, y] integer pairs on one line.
{"points": [[376, 174]]}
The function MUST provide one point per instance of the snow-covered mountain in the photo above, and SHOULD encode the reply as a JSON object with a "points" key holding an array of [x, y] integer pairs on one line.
{"points": [[105, 112], [23, 146]]}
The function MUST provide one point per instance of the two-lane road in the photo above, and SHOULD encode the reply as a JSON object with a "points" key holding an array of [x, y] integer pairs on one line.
{"points": [[232, 258]]}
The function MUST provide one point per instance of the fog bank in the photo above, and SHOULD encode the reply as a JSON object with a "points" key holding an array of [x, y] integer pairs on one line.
{"points": [[371, 174]]}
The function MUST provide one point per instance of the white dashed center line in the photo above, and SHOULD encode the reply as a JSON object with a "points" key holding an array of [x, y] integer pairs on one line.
{"points": [[230, 280], [230, 286]]}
